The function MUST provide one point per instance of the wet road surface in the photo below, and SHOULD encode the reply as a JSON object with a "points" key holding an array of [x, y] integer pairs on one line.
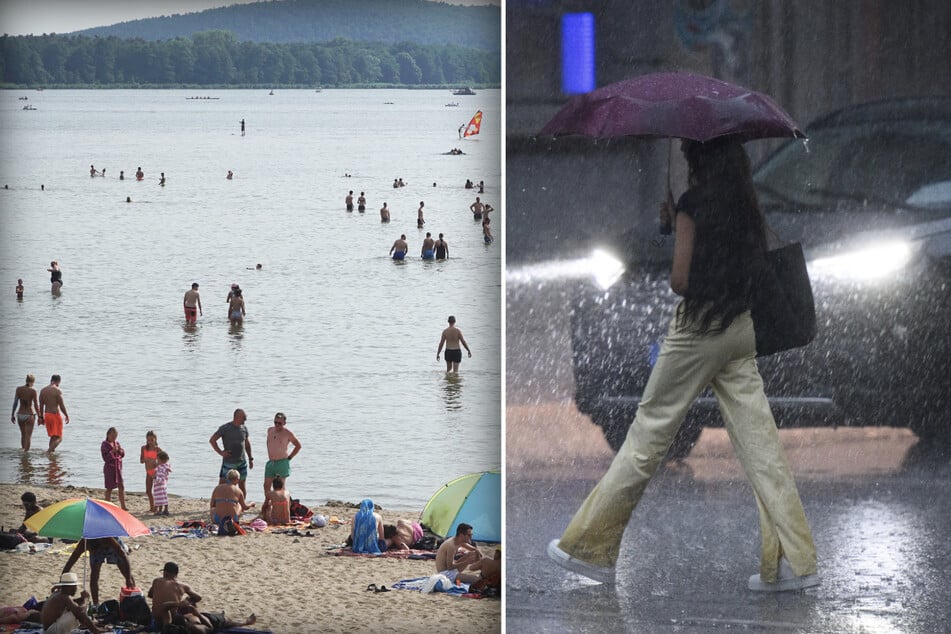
{"points": [[879, 506]]}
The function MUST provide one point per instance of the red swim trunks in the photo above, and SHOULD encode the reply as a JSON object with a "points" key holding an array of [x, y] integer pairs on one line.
{"points": [[54, 424], [191, 313]]}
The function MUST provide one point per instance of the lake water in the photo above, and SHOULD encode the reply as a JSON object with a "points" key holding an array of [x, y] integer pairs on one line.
{"points": [[337, 335]]}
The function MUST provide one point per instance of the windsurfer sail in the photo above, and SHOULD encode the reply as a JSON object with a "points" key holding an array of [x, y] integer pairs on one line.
{"points": [[474, 124]]}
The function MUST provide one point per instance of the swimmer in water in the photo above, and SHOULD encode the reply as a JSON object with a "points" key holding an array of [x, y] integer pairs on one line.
{"points": [[230, 175], [419, 216], [19, 289], [361, 202], [400, 248], [348, 201], [428, 251]]}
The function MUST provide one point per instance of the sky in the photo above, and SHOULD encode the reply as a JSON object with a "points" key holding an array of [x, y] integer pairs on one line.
{"points": [[23, 17]]}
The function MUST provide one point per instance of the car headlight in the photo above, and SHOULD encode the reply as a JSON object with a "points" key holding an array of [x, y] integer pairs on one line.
{"points": [[869, 263], [600, 265]]}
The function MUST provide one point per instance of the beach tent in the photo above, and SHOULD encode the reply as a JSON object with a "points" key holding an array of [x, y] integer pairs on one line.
{"points": [[474, 499]]}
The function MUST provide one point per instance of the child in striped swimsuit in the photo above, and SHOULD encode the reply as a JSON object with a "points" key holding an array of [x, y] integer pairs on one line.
{"points": [[160, 484]]}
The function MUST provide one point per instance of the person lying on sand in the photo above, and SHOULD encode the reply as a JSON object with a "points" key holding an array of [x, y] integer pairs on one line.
{"points": [[186, 618]]}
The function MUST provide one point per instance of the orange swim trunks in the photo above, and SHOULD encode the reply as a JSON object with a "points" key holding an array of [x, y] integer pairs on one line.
{"points": [[54, 424]]}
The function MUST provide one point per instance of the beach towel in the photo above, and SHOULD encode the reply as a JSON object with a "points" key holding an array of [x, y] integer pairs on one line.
{"points": [[390, 554], [364, 529], [433, 583]]}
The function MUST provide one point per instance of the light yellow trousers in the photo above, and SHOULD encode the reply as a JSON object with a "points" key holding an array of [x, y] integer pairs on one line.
{"points": [[686, 364]]}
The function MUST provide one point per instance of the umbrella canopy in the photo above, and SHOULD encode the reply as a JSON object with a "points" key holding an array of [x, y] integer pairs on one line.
{"points": [[474, 499], [85, 517], [682, 105]]}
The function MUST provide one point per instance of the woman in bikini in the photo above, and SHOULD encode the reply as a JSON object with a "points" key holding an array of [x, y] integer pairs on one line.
{"points": [[277, 505], [25, 416], [236, 308], [148, 456], [227, 500]]}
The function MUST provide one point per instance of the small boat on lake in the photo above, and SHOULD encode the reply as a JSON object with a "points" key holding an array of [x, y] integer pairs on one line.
{"points": [[463, 91]]}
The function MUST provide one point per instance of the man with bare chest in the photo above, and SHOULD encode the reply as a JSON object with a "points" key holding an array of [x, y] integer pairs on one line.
{"points": [[51, 406], [452, 338], [279, 438], [168, 589]]}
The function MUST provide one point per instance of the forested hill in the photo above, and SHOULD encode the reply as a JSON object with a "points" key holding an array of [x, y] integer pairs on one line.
{"points": [[310, 21]]}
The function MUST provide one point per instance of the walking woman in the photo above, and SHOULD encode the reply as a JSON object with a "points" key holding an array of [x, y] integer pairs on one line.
{"points": [[25, 406], [112, 455], [720, 234]]}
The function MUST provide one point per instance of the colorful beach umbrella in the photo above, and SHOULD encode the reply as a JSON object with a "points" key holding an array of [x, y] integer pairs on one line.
{"points": [[474, 499], [77, 518]]}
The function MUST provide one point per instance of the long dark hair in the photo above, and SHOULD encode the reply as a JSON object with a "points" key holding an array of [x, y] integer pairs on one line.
{"points": [[730, 236]]}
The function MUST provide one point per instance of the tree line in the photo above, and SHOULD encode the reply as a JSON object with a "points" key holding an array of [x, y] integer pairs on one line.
{"points": [[287, 21], [218, 58]]}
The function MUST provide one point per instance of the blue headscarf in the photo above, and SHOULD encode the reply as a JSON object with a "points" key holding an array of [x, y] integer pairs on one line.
{"points": [[364, 530]]}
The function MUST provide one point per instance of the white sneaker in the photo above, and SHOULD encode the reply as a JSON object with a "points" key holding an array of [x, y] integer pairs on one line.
{"points": [[583, 568], [786, 580]]}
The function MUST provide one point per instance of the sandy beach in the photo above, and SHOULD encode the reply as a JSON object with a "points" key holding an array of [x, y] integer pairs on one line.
{"points": [[294, 584]]}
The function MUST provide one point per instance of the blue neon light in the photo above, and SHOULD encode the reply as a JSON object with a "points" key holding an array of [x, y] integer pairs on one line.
{"points": [[577, 53]]}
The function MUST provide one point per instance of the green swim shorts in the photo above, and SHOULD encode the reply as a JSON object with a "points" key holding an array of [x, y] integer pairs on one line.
{"points": [[275, 468]]}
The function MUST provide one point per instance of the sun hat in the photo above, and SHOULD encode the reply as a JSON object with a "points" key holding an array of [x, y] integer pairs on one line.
{"points": [[67, 579]]}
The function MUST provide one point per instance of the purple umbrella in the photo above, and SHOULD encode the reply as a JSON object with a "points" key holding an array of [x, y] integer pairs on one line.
{"points": [[682, 105]]}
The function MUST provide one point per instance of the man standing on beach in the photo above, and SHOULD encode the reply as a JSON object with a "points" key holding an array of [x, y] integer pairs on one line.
{"points": [[101, 550], [278, 464], [192, 304], [51, 404], [451, 338], [168, 589], [236, 449]]}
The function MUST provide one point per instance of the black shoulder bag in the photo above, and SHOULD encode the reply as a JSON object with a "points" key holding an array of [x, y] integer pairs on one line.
{"points": [[783, 309]]}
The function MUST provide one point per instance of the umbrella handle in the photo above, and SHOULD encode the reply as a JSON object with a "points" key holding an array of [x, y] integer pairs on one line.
{"points": [[666, 224]]}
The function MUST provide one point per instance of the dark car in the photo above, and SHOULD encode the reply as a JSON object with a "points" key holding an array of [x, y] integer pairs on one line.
{"points": [[869, 196]]}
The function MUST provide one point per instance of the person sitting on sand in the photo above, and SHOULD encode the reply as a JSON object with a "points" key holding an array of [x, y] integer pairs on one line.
{"points": [[227, 500], [191, 621], [277, 504], [490, 573], [168, 589], [458, 553], [60, 614], [366, 532], [32, 508]]}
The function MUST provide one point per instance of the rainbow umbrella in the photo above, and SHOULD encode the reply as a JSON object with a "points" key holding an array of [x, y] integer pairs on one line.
{"points": [[474, 499], [79, 518]]}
